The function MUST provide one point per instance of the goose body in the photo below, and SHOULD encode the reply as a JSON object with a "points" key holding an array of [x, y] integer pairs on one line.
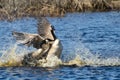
{"points": [[55, 49], [46, 43]]}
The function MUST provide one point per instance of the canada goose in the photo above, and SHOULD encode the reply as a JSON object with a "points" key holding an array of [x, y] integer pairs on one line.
{"points": [[46, 42]]}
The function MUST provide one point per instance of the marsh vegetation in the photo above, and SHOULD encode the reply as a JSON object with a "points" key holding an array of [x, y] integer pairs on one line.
{"points": [[10, 9]]}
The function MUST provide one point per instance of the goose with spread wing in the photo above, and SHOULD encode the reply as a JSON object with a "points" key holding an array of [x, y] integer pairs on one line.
{"points": [[46, 42]]}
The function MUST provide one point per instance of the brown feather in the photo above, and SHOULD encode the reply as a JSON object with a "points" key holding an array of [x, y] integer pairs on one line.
{"points": [[27, 39], [45, 29]]}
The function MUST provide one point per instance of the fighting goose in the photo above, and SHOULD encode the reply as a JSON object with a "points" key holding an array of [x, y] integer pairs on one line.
{"points": [[46, 42]]}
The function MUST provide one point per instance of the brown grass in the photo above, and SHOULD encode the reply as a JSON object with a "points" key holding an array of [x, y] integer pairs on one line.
{"points": [[11, 9]]}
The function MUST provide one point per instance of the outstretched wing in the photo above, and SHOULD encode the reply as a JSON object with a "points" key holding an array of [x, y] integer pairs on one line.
{"points": [[45, 29], [27, 39]]}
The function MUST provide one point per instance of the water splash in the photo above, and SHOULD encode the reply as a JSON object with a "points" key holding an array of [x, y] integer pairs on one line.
{"points": [[95, 59], [52, 62], [83, 57], [10, 57]]}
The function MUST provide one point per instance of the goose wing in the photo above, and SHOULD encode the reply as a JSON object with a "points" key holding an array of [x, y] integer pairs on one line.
{"points": [[27, 39], [45, 29]]}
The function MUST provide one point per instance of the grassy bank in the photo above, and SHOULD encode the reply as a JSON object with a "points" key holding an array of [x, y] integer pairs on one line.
{"points": [[10, 9]]}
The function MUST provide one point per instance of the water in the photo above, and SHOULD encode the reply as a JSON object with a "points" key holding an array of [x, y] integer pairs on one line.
{"points": [[94, 37], [62, 73]]}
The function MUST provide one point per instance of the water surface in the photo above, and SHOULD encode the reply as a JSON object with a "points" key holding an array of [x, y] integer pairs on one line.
{"points": [[93, 36]]}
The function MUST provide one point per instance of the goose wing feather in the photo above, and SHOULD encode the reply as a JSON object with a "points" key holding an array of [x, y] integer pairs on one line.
{"points": [[45, 29], [26, 38]]}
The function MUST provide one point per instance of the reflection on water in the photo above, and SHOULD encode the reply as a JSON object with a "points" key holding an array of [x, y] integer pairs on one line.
{"points": [[94, 37]]}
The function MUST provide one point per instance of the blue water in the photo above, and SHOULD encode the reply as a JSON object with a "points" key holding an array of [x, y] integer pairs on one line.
{"points": [[62, 73], [93, 36]]}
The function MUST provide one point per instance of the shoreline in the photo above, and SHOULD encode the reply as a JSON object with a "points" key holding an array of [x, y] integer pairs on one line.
{"points": [[12, 9]]}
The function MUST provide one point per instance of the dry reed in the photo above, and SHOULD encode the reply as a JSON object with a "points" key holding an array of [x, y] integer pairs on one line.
{"points": [[10, 9]]}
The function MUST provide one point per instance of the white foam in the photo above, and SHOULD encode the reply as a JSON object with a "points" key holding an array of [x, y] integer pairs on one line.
{"points": [[10, 57], [95, 59]]}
